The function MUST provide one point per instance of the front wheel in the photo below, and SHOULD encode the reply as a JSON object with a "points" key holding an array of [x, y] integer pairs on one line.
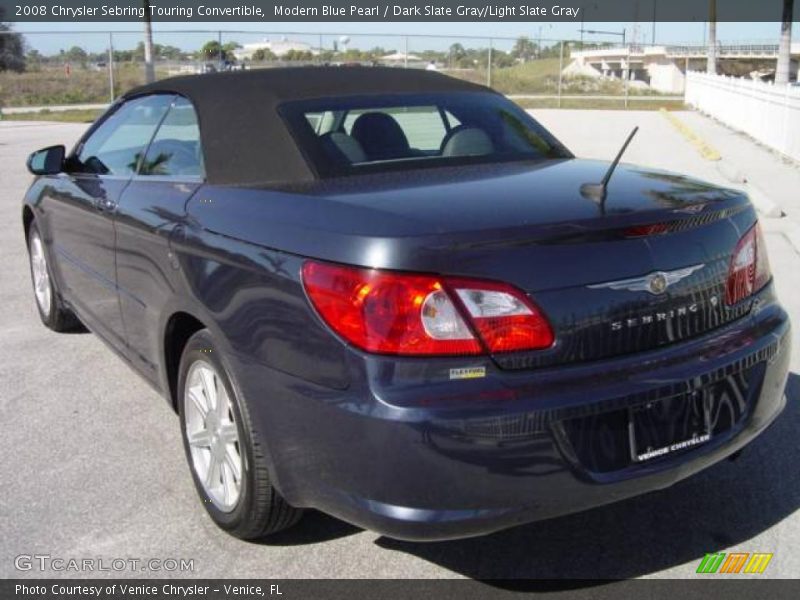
{"points": [[228, 466], [54, 314]]}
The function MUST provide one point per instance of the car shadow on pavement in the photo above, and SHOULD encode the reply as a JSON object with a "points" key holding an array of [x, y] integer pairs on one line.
{"points": [[725, 505], [313, 528]]}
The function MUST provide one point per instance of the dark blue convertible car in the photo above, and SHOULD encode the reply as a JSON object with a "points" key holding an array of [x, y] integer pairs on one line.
{"points": [[394, 297]]}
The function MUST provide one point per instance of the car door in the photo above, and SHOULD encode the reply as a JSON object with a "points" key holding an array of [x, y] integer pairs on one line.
{"points": [[150, 211], [83, 206]]}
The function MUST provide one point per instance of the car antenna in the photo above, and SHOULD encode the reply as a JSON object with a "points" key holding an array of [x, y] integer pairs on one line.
{"points": [[596, 192]]}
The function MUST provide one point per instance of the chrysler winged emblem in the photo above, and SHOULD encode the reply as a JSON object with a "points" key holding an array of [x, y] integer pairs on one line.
{"points": [[656, 283]]}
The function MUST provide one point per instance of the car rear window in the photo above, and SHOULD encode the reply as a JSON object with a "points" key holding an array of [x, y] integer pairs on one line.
{"points": [[353, 134]]}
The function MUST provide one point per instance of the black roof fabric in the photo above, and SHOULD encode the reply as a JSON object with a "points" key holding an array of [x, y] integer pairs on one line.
{"points": [[244, 139]]}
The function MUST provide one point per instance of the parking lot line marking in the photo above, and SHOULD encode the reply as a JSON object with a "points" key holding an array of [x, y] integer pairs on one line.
{"points": [[703, 148]]}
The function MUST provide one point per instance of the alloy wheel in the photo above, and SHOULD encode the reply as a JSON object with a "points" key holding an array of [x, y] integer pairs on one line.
{"points": [[41, 277], [213, 436]]}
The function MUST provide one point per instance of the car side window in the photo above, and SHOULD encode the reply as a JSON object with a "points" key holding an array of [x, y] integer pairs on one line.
{"points": [[175, 150], [116, 146]]}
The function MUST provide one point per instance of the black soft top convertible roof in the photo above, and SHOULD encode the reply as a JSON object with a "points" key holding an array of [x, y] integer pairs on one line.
{"points": [[244, 139]]}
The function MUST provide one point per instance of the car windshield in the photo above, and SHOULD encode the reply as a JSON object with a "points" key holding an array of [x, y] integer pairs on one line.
{"points": [[376, 133]]}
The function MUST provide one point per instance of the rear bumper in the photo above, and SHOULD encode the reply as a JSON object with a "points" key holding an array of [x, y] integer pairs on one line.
{"points": [[410, 453]]}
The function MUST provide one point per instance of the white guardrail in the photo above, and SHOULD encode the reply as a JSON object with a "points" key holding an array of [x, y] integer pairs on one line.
{"points": [[766, 112]]}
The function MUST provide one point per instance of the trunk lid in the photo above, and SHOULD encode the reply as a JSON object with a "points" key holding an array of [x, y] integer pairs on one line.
{"points": [[592, 269], [645, 270]]}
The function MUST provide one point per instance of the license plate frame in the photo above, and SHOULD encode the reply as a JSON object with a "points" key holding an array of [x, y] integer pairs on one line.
{"points": [[669, 425]]}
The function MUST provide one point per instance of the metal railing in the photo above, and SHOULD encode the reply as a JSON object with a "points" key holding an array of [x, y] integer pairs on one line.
{"points": [[695, 50]]}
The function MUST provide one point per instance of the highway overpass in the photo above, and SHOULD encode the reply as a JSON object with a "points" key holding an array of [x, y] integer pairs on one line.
{"points": [[663, 67]]}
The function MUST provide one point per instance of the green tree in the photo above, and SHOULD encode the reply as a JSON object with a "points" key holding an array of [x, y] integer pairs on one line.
{"points": [[297, 55], [228, 49], [169, 52], [137, 54], [34, 58], [524, 49], [125, 55], [264, 54], [502, 59], [76, 54], [212, 50], [457, 53], [12, 50]]}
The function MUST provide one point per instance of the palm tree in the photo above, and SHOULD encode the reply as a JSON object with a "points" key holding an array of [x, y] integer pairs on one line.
{"points": [[711, 64], [784, 50], [149, 70]]}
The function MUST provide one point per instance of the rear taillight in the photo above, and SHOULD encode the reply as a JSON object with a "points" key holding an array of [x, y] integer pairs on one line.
{"points": [[415, 314], [504, 317], [749, 269]]}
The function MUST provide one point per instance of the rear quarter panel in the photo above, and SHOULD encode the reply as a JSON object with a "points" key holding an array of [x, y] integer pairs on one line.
{"points": [[253, 298]]}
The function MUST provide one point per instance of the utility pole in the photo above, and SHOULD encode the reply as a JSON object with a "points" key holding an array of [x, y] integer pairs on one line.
{"points": [[783, 68], [711, 51], [149, 69], [655, 10]]}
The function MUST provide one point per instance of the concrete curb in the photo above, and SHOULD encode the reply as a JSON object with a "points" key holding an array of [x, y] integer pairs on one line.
{"points": [[763, 202]]}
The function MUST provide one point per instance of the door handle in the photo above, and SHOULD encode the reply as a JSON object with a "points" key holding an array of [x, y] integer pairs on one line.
{"points": [[105, 204]]}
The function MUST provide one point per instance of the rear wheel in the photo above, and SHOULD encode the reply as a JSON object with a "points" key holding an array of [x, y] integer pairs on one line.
{"points": [[52, 311], [226, 461]]}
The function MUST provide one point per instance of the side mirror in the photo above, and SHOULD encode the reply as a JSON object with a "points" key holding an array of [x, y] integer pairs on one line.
{"points": [[47, 161]]}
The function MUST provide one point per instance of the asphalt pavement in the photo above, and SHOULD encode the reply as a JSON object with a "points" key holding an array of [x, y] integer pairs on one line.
{"points": [[92, 465]]}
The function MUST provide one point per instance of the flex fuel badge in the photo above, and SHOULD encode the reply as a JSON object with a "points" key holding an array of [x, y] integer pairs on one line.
{"points": [[468, 373]]}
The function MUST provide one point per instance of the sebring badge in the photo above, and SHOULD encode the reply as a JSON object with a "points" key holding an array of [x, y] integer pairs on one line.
{"points": [[656, 283]]}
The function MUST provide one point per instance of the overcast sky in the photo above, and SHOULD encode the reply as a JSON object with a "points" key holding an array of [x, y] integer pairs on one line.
{"points": [[188, 37]]}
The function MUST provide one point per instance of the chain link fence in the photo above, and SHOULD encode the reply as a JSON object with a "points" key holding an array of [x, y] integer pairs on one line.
{"points": [[86, 70]]}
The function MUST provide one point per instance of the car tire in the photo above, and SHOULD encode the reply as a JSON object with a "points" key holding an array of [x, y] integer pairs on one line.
{"points": [[52, 310], [226, 460]]}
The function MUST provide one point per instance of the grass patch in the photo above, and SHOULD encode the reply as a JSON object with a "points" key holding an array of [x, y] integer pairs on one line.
{"points": [[52, 85], [61, 116], [541, 77], [536, 76]]}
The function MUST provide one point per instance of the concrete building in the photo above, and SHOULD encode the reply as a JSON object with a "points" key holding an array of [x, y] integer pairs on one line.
{"points": [[279, 48]]}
